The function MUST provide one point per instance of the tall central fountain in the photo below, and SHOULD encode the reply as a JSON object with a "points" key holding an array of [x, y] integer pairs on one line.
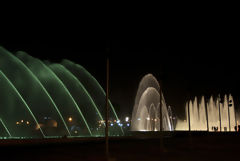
{"points": [[146, 110]]}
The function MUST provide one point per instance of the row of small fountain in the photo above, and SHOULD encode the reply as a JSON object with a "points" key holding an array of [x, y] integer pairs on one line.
{"points": [[215, 114]]}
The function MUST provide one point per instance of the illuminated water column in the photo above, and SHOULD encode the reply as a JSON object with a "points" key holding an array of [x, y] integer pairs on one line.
{"points": [[202, 115], [232, 113], [224, 114], [146, 110], [213, 115]]}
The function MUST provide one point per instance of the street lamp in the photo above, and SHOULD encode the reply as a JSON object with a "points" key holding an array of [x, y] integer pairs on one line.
{"points": [[220, 121], [70, 119], [229, 105]]}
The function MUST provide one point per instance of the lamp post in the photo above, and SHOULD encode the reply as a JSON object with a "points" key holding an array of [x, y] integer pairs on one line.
{"points": [[107, 109], [206, 108], [236, 124], [229, 105], [160, 110], [220, 120], [189, 124]]}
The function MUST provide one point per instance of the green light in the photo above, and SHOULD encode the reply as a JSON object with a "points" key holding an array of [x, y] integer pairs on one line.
{"points": [[34, 92], [100, 87], [88, 95], [19, 95], [80, 68], [68, 94], [50, 98], [5, 127]]}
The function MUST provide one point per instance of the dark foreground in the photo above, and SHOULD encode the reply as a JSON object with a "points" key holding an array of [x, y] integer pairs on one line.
{"points": [[180, 147]]}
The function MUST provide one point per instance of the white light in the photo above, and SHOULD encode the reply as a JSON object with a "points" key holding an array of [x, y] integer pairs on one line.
{"points": [[148, 118], [111, 124], [128, 124], [139, 119], [127, 119], [70, 119], [118, 121]]}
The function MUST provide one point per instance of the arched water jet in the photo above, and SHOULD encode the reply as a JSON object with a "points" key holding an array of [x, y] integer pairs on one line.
{"points": [[24, 58], [5, 127], [167, 126], [37, 89], [93, 87], [148, 97], [147, 81], [2, 75], [16, 71], [80, 94], [40, 70]]}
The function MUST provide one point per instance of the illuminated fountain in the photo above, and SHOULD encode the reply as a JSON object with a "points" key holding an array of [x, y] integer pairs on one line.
{"points": [[206, 114], [146, 112], [38, 98]]}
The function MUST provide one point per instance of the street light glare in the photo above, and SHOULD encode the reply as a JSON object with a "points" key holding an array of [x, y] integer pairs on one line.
{"points": [[70, 119]]}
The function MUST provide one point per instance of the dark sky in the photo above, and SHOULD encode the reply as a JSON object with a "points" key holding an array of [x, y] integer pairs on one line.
{"points": [[185, 70]]}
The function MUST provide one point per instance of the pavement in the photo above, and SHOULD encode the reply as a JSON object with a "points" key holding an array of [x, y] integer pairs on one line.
{"points": [[181, 147]]}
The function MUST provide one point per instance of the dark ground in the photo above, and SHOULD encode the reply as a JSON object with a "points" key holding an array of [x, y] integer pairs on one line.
{"points": [[181, 147]]}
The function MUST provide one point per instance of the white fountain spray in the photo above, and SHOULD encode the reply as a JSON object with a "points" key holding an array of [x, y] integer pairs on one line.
{"points": [[146, 111], [199, 115]]}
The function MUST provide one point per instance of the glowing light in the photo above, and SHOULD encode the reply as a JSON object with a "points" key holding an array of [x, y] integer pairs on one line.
{"points": [[75, 131], [118, 121], [128, 124], [111, 124], [127, 119], [70, 119], [138, 119], [148, 118], [38, 126], [40, 79]]}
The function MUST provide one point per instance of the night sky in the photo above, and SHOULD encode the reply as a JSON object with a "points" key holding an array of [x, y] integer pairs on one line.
{"points": [[183, 71]]}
